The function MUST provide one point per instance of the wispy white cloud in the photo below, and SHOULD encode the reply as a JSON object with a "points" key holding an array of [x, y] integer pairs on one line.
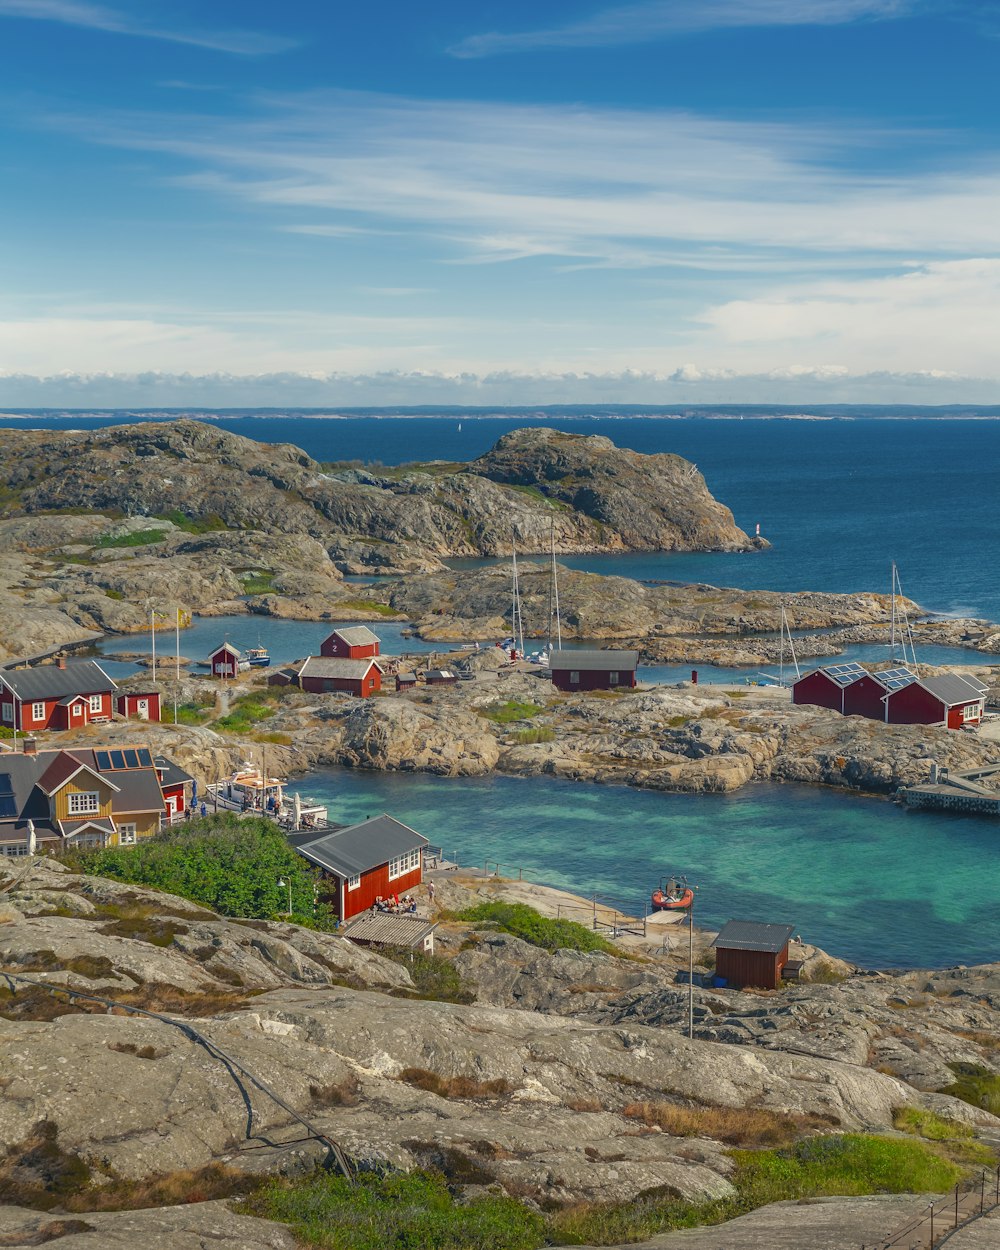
{"points": [[661, 19], [98, 17]]}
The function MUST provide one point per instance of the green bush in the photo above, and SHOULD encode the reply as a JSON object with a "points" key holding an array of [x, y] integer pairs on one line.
{"points": [[246, 711], [541, 733], [401, 1211], [433, 976], [138, 538], [193, 525], [257, 581], [975, 1085], [524, 922], [229, 864], [194, 713], [511, 711]]}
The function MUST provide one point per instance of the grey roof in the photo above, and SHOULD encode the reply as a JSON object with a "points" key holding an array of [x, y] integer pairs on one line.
{"points": [[135, 789], [440, 674], [49, 681], [171, 774], [953, 688], [359, 848], [330, 667], [590, 661], [226, 646], [72, 827], [386, 929], [754, 935], [357, 636]]}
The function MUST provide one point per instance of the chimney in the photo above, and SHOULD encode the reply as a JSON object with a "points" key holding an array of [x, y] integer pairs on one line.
{"points": [[61, 662], [30, 746]]}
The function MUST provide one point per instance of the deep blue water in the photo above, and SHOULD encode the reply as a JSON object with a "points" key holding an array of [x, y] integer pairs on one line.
{"points": [[840, 500], [861, 877]]}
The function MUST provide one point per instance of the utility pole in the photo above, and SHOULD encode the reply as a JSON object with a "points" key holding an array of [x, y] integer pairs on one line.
{"points": [[691, 971]]}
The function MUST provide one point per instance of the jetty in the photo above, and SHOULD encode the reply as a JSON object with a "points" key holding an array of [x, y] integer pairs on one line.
{"points": [[975, 791]]}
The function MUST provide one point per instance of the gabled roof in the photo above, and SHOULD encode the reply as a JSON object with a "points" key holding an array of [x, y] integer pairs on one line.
{"points": [[227, 646], [65, 767], [70, 828], [357, 636], [49, 681], [953, 688], [71, 699], [171, 774], [840, 674], [895, 679], [754, 935], [441, 673], [359, 848], [589, 661], [331, 667]]}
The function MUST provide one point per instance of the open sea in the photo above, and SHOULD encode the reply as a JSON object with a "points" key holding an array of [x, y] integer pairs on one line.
{"points": [[840, 500]]}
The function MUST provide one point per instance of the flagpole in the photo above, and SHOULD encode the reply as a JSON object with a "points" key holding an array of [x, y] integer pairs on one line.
{"points": [[177, 661], [152, 634]]}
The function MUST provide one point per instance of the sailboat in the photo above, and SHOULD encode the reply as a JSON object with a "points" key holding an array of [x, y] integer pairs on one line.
{"points": [[514, 645], [900, 622], [786, 635]]}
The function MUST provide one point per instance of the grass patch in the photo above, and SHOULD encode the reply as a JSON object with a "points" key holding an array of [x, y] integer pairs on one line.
{"points": [[401, 1211], [137, 538], [958, 1139], [367, 605], [279, 739], [976, 1085], [195, 713], [539, 733], [193, 525], [524, 922], [512, 710], [257, 581], [824, 973], [737, 1126], [113, 594], [246, 712], [454, 1086], [433, 976]]}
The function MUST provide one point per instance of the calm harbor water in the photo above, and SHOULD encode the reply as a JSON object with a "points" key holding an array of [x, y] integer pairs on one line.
{"points": [[861, 877]]}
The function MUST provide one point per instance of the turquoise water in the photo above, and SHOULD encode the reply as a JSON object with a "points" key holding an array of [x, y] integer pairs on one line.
{"points": [[861, 877]]}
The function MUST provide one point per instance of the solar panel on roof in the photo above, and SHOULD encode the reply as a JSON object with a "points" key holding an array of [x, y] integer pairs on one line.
{"points": [[896, 678], [117, 759], [131, 759], [103, 759], [844, 674], [145, 759]]}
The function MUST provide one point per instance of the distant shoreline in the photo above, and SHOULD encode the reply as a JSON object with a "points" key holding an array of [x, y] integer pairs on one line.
{"points": [[825, 413]]}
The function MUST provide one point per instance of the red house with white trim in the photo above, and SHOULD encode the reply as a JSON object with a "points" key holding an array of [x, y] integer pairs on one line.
{"points": [[952, 699], [356, 642], [55, 696], [138, 704], [225, 660], [177, 787], [377, 858], [360, 678]]}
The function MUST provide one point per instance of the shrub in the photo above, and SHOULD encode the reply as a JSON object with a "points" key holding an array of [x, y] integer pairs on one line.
{"points": [[191, 525], [433, 976], [512, 710], [975, 1085], [256, 581], [138, 538], [524, 922], [739, 1126], [246, 711], [528, 737]]}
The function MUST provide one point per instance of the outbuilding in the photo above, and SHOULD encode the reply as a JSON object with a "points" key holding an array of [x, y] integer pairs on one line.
{"points": [[225, 661], [593, 670], [356, 642], [751, 953], [177, 787], [360, 678], [824, 687], [951, 699], [440, 677], [284, 677], [406, 681], [375, 859], [379, 928], [138, 704]]}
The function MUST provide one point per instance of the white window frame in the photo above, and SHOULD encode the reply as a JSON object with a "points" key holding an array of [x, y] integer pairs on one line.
{"points": [[90, 840], [96, 704], [38, 711], [354, 883], [614, 679], [971, 712], [14, 849], [126, 834], [404, 864], [7, 710], [76, 803], [574, 677]]}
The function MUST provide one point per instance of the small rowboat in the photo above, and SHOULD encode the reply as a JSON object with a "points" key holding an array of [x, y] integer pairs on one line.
{"points": [[675, 895]]}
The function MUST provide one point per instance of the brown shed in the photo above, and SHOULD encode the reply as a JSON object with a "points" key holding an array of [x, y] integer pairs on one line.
{"points": [[748, 952]]}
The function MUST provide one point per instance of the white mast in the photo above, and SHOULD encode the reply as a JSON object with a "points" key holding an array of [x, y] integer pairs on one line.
{"points": [[516, 623], [786, 629], [555, 592], [897, 586]]}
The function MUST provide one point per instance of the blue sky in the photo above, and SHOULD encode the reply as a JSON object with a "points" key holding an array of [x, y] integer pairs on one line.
{"points": [[664, 201]]}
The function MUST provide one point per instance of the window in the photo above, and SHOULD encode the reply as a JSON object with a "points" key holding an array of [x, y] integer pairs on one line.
{"points": [[38, 711], [89, 840], [85, 804], [403, 864], [613, 679], [8, 711], [95, 704], [126, 835], [14, 849], [574, 678], [971, 711], [353, 883]]}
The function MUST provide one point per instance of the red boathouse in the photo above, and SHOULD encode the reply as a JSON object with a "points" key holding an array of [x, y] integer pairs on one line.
{"points": [[360, 678], [951, 699], [866, 696], [748, 952], [593, 670], [824, 687], [354, 643], [225, 661], [377, 858]]}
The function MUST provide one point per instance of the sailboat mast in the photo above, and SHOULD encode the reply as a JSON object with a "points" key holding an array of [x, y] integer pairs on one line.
{"points": [[892, 629], [516, 623], [781, 648], [791, 642], [554, 591]]}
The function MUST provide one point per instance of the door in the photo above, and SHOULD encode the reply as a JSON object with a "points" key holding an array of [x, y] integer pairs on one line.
{"points": [[142, 709]]}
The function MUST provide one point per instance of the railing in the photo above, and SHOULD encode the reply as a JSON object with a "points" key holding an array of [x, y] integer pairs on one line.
{"points": [[603, 912], [938, 1222]]}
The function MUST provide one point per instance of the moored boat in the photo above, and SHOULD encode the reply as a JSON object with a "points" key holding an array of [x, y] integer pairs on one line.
{"points": [[258, 656], [674, 895]]}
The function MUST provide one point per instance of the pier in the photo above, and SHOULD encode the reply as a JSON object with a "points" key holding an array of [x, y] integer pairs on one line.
{"points": [[974, 792]]}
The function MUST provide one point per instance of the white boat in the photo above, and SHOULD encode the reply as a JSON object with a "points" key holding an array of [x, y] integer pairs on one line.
{"points": [[248, 789]]}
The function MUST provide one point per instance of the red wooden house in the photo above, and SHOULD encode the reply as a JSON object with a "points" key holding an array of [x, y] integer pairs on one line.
{"points": [[952, 699], [377, 858], [748, 952], [866, 696], [593, 670], [55, 696], [359, 678], [824, 687], [225, 661], [138, 704], [354, 643], [177, 787]]}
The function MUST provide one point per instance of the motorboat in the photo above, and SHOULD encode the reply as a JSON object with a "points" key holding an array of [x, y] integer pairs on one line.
{"points": [[673, 895]]}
